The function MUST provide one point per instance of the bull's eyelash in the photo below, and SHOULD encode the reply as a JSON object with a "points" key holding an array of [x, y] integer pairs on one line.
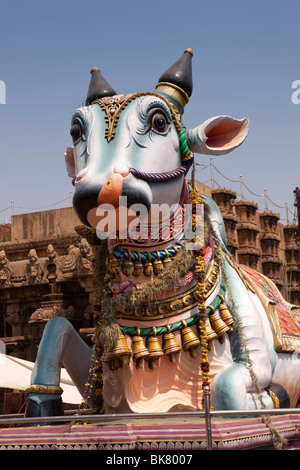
{"points": [[82, 117], [145, 114]]}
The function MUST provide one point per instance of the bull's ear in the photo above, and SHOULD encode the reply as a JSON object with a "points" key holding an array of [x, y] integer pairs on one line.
{"points": [[70, 161], [218, 135]]}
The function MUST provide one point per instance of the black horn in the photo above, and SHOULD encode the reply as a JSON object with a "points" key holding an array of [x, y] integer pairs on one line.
{"points": [[98, 87], [176, 83]]}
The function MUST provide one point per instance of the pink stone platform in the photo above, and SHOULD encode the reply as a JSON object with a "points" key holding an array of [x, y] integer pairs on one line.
{"points": [[167, 433]]}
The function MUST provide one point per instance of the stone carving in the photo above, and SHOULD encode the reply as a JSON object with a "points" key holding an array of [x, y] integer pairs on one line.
{"points": [[70, 259], [42, 315], [34, 271], [5, 270], [85, 258], [46, 312], [53, 265]]}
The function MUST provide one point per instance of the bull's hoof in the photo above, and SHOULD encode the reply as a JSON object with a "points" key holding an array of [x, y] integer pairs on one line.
{"points": [[39, 405]]}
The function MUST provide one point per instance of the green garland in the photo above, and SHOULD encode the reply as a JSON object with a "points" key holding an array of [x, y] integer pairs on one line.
{"points": [[183, 145]]}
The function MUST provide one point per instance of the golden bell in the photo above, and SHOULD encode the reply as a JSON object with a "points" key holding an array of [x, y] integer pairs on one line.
{"points": [[114, 266], [155, 351], [138, 267], [217, 324], [167, 258], [121, 351], [157, 265], [148, 268], [189, 340], [127, 265], [210, 333], [139, 350], [170, 347], [225, 314]]}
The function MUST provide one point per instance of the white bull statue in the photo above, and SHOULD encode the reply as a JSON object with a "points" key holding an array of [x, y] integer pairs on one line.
{"points": [[173, 311]]}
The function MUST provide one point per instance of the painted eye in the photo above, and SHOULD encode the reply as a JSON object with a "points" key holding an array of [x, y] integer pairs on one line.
{"points": [[159, 122], [76, 131]]}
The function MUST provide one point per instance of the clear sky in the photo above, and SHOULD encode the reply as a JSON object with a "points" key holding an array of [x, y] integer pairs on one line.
{"points": [[246, 56]]}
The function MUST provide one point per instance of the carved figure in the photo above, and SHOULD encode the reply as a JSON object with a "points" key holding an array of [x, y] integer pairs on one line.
{"points": [[5, 270], [34, 271], [70, 259], [173, 310], [85, 258], [53, 265]]}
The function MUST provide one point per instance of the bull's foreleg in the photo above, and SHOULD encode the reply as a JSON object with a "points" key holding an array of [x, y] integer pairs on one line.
{"points": [[244, 383], [61, 346]]}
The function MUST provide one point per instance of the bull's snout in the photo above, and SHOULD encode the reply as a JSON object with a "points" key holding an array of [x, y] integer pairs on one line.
{"points": [[111, 190]]}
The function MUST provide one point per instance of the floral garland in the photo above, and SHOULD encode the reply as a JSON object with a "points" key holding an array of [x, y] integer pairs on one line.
{"points": [[200, 291], [98, 406]]}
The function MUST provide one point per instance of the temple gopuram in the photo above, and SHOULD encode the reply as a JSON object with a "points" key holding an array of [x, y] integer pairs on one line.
{"points": [[46, 269]]}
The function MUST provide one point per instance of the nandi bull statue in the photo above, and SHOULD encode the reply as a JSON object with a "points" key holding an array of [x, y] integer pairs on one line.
{"points": [[173, 311]]}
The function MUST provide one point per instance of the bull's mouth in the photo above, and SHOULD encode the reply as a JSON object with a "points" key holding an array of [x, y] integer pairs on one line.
{"points": [[112, 189], [119, 214], [108, 198]]}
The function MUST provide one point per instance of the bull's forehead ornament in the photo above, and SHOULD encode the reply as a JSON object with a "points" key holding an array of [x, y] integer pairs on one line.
{"points": [[174, 87]]}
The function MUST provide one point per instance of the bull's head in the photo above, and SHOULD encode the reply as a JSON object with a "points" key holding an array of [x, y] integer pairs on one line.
{"points": [[136, 146]]}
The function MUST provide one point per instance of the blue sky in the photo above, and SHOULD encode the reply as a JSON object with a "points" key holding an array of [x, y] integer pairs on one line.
{"points": [[246, 56]]}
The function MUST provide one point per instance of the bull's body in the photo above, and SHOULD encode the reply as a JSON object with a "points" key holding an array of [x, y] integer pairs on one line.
{"points": [[130, 146]]}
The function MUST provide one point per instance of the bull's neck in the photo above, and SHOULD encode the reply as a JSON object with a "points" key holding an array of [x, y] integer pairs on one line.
{"points": [[155, 234], [139, 260], [146, 251]]}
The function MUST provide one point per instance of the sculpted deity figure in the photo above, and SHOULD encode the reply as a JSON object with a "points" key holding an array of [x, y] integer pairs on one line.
{"points": [[5, 270], [53, 265], [34, 270], [85, 259]]}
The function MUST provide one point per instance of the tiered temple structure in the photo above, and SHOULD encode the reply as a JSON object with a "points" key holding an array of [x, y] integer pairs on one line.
{"points": [[247, 233], [269, 242], [292, 270], [263, 243], [225, 199]]}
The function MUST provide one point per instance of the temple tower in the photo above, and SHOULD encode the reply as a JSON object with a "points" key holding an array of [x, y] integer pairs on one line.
{"points": [[269, 242], [291, 250], [247, 234], [225, 199]]}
